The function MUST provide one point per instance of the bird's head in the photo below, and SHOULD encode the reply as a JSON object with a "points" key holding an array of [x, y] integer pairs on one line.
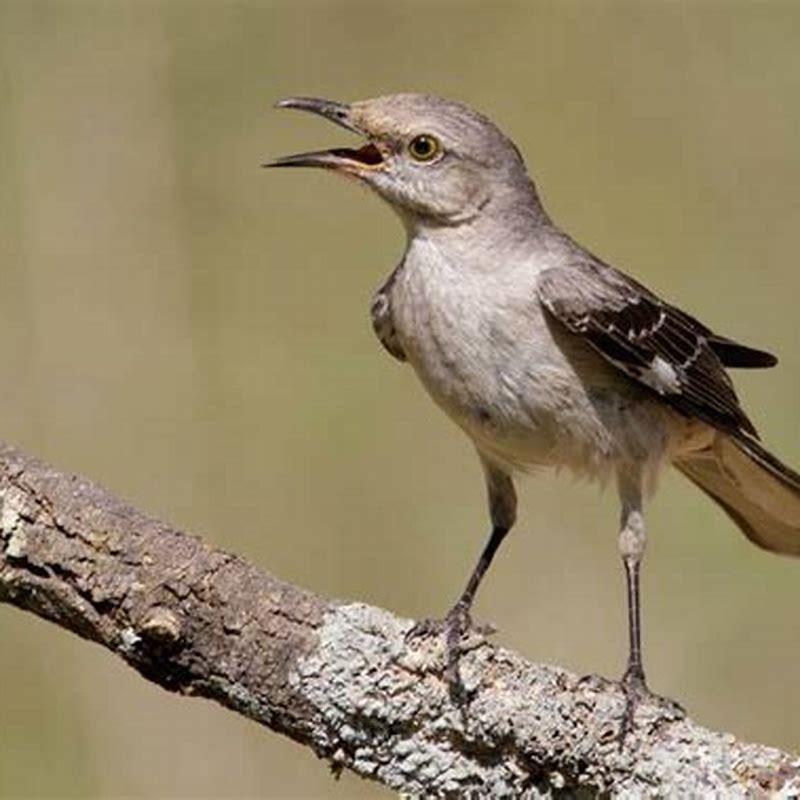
{"points": [[435, 161]]}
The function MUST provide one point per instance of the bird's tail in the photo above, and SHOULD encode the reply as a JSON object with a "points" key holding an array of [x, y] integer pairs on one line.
{"points": [[758, 492]]}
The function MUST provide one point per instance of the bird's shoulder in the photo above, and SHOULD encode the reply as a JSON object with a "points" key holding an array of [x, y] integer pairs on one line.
{"points": [[655, 343], [382, 316]]}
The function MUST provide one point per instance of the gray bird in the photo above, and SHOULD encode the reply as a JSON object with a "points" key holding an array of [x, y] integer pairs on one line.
{"points": [[541, 353]]}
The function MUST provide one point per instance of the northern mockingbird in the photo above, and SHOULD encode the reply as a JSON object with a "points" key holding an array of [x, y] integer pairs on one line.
{"points": [[541, 353]]}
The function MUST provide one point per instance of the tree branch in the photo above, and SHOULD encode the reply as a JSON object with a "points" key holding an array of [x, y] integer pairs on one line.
{"points": [[340, 678]]}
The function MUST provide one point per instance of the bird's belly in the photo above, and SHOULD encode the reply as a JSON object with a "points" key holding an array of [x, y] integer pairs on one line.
{"points": [[538, 417], [527, 392], [518, 399]]}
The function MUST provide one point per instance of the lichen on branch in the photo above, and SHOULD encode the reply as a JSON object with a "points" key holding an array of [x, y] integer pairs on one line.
{"points": [[342, 679]]}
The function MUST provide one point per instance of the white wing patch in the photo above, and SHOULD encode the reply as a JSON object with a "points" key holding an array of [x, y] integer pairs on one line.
{"points": [[661, 376]]}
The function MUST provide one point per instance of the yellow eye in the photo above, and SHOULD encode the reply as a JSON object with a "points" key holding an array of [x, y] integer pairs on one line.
{"points": [[424, 147]]}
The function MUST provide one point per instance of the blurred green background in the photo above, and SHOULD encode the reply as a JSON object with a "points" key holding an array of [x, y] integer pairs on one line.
{"points": [[192, 332]]}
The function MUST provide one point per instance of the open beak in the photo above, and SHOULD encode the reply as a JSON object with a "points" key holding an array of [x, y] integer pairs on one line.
{"points": [[348, 159]]}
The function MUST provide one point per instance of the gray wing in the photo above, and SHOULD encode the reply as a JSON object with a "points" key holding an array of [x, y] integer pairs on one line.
{"points": [[654, 343], [382, 319]]}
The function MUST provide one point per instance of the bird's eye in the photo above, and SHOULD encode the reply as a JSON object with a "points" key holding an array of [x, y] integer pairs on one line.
{"points": [[424, 147]]}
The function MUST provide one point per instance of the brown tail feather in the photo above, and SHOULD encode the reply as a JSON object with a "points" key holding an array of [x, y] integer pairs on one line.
{"points": [[755, 489]]}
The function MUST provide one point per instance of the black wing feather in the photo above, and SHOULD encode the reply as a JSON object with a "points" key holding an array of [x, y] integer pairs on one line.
{"points": [[733, 354], [655, 343]]}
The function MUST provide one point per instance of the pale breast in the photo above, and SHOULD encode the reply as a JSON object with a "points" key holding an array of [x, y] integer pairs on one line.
{"points": [[488, 356]]}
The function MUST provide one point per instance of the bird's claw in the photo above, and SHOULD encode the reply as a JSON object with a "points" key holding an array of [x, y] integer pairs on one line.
{"points": [[637, 693], [595, 682], [455, 627]]}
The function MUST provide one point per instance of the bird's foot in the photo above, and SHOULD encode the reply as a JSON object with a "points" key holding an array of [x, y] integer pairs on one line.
{"points": [[457, 628], [637, 693], [596, 682]]}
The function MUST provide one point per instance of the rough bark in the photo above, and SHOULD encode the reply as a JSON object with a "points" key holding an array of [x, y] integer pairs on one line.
{"points": [[337, 677]]}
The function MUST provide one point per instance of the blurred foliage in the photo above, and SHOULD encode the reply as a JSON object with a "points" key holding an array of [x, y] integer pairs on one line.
{"points": [[192, 332]]}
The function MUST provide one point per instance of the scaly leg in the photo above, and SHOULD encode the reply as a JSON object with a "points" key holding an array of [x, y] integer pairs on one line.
{"points": [[457, 622], [632, 540]]}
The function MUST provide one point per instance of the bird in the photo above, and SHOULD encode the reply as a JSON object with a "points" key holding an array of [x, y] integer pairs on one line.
{"points": [[543, 354]]}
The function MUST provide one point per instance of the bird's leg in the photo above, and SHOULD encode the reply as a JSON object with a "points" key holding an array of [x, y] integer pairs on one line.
{"points": [[632, 540], [458, 621]]}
